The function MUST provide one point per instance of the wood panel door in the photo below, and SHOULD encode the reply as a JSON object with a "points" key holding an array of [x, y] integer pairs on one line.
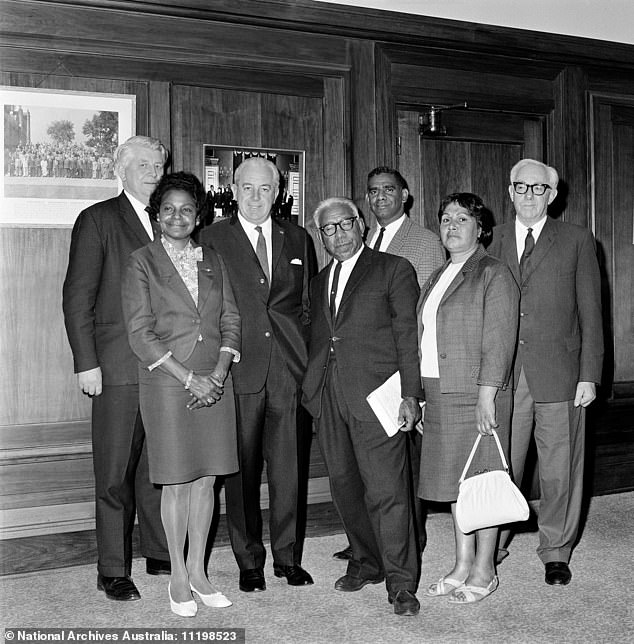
{"points": [[476, 156], [612, 161]]}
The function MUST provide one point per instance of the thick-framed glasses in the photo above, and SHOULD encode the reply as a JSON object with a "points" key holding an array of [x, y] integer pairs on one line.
{"points": [[345, 224], [538, 189]]}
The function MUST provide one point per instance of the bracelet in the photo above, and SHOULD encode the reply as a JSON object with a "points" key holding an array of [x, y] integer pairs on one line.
{"points": [[188, 380]]}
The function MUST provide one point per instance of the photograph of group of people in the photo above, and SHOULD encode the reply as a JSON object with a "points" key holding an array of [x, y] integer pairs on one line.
{"points": [[221, 327]]}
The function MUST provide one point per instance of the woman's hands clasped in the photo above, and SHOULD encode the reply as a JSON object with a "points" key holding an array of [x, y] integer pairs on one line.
{"points": [[206, 390]]}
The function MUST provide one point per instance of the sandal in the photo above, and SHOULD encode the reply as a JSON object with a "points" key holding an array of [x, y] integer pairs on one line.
{"points": [[472, 594], [444, 586]]}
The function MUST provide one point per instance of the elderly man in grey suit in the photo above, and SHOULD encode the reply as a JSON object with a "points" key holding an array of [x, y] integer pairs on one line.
{"points": [[559, 355], [393, 232]]}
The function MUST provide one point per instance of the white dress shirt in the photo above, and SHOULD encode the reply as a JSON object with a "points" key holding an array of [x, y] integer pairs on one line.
{"points": [[252, 234], [390, 230], [521, 231], [428, 341], [344, 276]]}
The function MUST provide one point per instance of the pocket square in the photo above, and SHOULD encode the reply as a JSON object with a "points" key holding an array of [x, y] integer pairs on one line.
{"points": [[297, 261]]}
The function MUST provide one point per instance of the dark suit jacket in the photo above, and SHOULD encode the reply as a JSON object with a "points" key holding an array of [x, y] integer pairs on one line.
{"points": [[282, 313], [161, 315], [374, 333], [560, 335], [476, 325], [103, 237], [421, 247]]}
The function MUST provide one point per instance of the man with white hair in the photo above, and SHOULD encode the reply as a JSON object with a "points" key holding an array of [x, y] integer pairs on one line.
{"points": [[103, 237], [559, 354], [270, 263]]}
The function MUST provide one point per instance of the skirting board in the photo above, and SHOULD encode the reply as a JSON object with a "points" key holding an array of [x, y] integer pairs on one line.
{"points": [[72, 517]]}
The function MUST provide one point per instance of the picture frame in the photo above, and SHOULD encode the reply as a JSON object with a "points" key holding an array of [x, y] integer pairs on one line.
{"points": [[58, 148], [221, 161]]}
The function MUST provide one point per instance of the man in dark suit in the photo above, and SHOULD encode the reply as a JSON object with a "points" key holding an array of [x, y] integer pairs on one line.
{"points": [[103, 237], [270, 264], [392, 231], [559, 355], [363, 329]]}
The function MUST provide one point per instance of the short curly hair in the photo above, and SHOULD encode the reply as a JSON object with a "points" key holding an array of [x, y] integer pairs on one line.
{"points": [[476, 208], [186, 182]]}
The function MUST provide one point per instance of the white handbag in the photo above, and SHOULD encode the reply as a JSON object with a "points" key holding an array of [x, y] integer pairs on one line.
{"points": [[489, 498]]}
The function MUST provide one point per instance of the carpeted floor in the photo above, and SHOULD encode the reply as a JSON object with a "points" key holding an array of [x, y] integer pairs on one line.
{"points": [[596, 607]]}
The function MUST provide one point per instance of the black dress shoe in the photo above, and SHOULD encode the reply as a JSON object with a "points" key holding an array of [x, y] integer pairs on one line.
{"points": [[350, 584], [295, 575], [405, 603], [252, 580], [345, 554], [121, 589], [157, 567], [557, 573]]}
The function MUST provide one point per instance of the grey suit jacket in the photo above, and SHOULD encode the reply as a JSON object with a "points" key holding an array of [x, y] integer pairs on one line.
{"points": [[421, 247], [476, 325], [560, 334], [159, 311]]}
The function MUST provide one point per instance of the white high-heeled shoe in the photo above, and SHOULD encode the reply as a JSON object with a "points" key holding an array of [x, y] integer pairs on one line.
{"points": [[182, 609], [214, 600]]}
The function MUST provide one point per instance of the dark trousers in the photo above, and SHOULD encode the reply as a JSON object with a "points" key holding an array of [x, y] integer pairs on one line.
{"points": [[369, 482], [122, 483], [267, 432]]}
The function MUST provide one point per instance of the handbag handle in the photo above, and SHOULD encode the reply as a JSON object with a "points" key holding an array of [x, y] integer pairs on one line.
{"points": [[473, 451]]}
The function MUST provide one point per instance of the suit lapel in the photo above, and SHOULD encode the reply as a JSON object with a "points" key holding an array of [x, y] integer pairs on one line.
{"points": [[244, 248], [277, 241], [400, 237], [359, 270], [205, 279], [508, 246], [542, 246], [132, 221], [322, 292], [169, 274]]}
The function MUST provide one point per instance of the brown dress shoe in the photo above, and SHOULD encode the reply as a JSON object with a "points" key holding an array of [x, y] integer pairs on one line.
{"points": [[557, 573], [405, 603], [345, 554], [350, 584]]}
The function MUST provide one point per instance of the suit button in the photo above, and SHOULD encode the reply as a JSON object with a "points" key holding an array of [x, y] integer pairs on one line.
{"points": [[443, 355], [261, 280], [522, 315], [522, 342], [267, 334]]}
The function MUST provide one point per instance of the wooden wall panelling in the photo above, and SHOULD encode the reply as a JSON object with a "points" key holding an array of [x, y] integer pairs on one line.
{"points": [[416, 85], [365, 148], [159, 112], [623, 216], [408, 162], [568, 145]]}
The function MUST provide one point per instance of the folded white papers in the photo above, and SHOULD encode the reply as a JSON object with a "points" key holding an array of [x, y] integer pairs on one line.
{"points": [[385, 402]]}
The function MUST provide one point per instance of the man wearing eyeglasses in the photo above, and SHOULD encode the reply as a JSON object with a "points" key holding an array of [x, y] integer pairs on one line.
{"points": [[363, 329], [559, 354]]}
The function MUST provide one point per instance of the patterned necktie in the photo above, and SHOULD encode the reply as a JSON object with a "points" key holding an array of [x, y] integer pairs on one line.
{"points": [[260, 251], [529, 245], [379, 239], [333, 290]]}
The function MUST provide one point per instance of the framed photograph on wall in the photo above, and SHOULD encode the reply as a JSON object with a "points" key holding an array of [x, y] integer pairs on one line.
{"points": [[221, 161], [58, 149]]}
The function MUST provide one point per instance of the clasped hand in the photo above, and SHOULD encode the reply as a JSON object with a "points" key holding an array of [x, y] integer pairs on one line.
{"points": [[205, 391]]}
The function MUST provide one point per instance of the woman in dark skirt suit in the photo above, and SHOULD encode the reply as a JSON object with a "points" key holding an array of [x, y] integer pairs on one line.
{"points": [[183, 325], [468, 320]]}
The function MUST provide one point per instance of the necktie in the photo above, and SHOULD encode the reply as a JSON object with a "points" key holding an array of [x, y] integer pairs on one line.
{"points": [[379, 239], [529, 245], [260, 251], [333, 290]]}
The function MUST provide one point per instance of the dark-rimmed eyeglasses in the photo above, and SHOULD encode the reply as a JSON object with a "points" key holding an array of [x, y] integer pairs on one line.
{"points": [[345, 224], [538, 189]]}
